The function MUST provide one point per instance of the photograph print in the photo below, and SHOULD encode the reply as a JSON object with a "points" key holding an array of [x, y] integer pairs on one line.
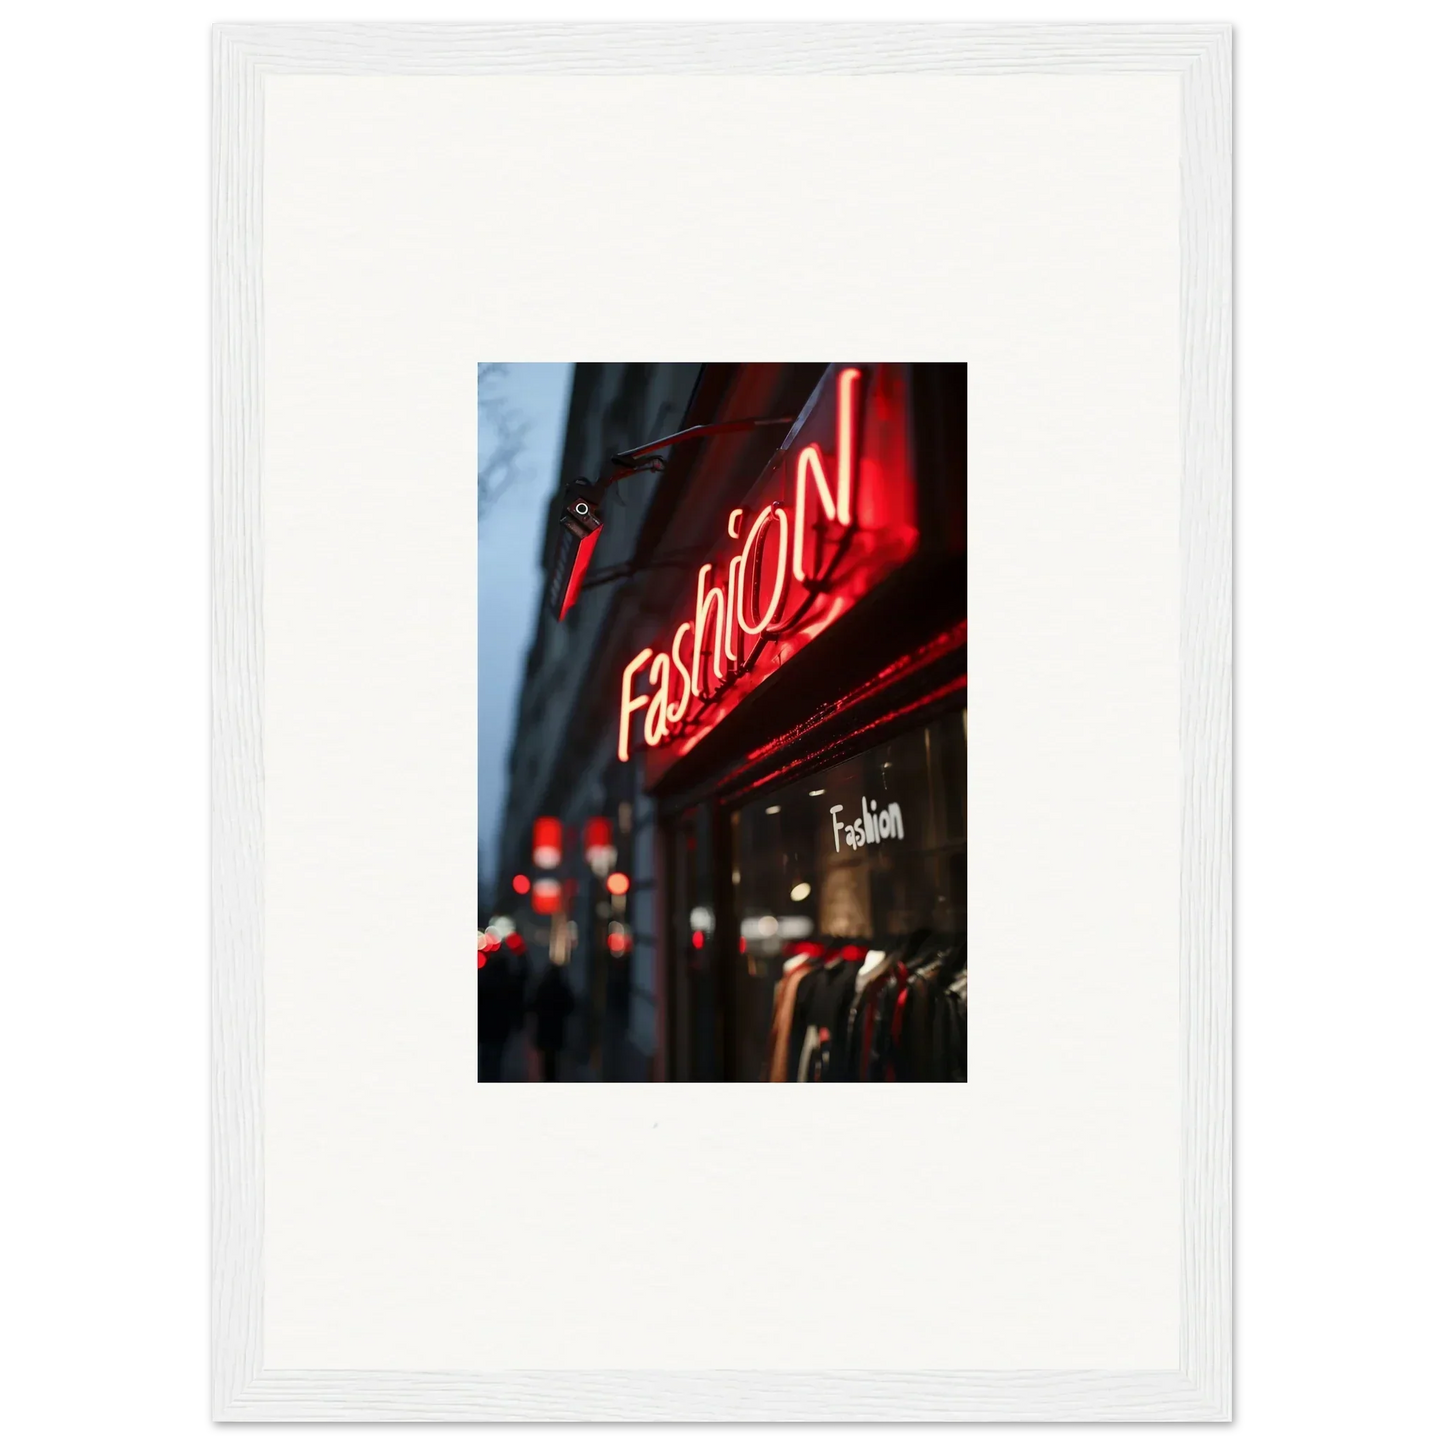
{"points": [[722, 722]]}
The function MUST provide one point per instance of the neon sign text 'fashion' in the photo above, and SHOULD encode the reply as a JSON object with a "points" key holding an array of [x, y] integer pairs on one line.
{"points": [[743, 603]]}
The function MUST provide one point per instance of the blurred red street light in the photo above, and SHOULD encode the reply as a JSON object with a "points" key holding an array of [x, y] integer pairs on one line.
{"points": [[521, 884], [514, 942], [546, 895], [547, 842], [597, 845], [697, 939], [618, 884]]}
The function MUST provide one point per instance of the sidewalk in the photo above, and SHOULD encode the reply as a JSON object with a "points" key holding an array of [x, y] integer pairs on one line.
{"points": [[522, 1063], [519, 1062]]}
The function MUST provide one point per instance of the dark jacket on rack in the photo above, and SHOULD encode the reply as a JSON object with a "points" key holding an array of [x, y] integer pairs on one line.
{"points": [[817, 1040], [951, 1030], [908, 1023]]}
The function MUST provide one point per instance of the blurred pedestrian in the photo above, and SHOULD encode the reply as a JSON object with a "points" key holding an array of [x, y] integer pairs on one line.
{"points": [[551, 1005], [520, 975], [495, 1008]]}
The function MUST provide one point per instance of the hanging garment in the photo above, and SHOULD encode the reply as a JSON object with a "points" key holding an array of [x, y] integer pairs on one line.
{"points": [[864, 1015], [948, 1022], [956, 1055], [943, 1045], [813, 1041], [915, 1058], [835, 1004], [862, 1018], [780, 1034], [881, 1025], [820, 1021], [862, 1012], [802, 1022], [891, 1054]]}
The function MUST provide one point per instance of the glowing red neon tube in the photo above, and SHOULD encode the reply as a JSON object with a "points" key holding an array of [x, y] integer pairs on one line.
{"points": [[630, 704], [779, 578], [579, 570]]}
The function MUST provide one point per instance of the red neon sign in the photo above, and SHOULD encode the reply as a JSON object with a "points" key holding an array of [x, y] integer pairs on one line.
{"points": [[833, 513]]}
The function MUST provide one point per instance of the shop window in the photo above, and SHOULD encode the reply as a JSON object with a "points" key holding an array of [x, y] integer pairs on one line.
{"points": [[863, 865]]}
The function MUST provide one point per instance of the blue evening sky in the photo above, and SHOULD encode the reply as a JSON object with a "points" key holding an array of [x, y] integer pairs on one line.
{"points": [[509, 577]]}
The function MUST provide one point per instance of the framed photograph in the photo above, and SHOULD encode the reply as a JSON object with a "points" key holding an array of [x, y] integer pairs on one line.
{"points": [[730, 839], [627, 441]]}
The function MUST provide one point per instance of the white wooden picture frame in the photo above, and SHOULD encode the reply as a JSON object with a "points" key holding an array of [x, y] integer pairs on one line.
{"points": [[275, 357]]}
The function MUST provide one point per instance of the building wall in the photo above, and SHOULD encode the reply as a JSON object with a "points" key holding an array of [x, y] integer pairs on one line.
{"points": [[644, 1022], [559, 767]]}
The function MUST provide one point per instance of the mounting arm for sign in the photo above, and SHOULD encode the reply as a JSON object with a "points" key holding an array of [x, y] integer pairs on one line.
{"points": [[605, 576], [581, 520], [628, 461]]}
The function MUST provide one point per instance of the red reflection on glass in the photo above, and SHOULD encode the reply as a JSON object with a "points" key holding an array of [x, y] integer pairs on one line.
{"points": [[948, 640]]}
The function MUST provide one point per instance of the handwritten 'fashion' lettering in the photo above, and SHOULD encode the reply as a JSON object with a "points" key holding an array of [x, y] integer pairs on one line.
{"points": [[873, 825]]}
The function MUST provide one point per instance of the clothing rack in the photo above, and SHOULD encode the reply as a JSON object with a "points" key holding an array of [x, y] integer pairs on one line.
{"points": [[845, 1011]]}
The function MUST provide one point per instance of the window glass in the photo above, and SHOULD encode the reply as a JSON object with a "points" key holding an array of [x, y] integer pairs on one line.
{"points": [[869, 851]]}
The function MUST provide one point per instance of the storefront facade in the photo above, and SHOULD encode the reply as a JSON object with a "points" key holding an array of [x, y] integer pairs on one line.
{"points": [[776, 726]]}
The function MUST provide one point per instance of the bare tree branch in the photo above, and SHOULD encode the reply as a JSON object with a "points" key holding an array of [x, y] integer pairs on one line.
{"points": [[501, 437]]}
